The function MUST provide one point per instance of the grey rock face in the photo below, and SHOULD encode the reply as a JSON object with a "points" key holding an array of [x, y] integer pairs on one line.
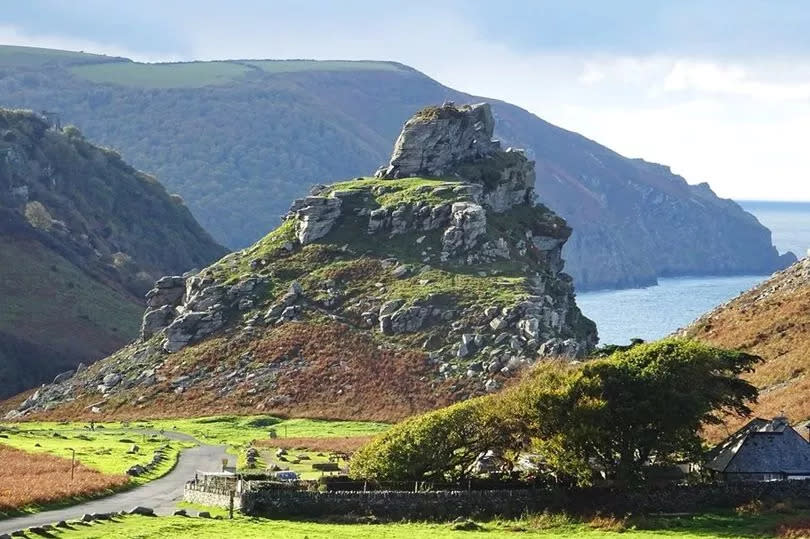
{"points": [[433, 142], [561, 348], [63, 377], [314, 217], [167, 291], [155, 320], [469, 222], [191, 326]]}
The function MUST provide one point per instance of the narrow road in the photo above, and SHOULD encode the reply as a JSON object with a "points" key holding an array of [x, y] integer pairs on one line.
{"points": [[161, 494]]}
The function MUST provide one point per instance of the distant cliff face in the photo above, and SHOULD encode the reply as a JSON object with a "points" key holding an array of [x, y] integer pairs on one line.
{"points": [[376, 298], [633, 221], [83, 235], [771, 320]]}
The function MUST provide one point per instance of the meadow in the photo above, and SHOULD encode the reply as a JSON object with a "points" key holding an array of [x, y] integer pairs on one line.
{"points": [[105, 450], [683, 527]]}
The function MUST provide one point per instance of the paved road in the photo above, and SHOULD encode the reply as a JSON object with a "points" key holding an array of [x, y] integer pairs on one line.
{"points": [[161, 494]]}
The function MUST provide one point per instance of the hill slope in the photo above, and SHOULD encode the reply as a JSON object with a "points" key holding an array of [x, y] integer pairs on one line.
{"points": [[205, 128], [376, 298], [771, 320], [82, 236]]}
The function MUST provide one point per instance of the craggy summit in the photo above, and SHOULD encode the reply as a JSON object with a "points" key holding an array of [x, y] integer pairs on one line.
{"points": [[376, 297]]}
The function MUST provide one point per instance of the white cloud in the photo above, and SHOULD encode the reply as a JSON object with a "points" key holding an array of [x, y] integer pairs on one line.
{"points": [[733, 79]]}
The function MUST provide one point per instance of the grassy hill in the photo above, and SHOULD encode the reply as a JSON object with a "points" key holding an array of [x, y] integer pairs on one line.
{"points": [[771, 320], [238, 139], [82, 237], [376, 298]]}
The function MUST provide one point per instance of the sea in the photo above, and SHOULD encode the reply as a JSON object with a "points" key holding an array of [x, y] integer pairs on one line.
{"points": [[657, 311]]}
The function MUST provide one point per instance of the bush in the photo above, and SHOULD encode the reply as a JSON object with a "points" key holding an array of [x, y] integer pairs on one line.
{"points": [[438, 445]]}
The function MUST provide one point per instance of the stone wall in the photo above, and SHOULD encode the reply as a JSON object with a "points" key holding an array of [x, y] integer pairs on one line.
{"points": [[210, 497], [448, 505], [439, 505]]}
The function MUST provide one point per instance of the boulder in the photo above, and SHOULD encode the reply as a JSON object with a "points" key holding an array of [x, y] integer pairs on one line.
{"points": [[390, 307], [167, 291], [155, 320], [143, 511], [436, 139], [111, 380], [314, 217]]}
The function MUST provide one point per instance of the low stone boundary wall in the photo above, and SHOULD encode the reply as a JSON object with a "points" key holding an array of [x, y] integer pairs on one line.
{"points": [[437, 505], [211, 497], [447, 505]]}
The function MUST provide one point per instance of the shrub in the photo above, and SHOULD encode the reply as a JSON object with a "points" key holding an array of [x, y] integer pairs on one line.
{"points": [[38, 215], [442, 444]]}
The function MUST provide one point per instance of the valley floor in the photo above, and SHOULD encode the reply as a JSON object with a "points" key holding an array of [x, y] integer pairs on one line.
{"points": [[702, 526]]}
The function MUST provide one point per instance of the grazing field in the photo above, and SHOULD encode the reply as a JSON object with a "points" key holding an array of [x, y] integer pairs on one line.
{"points": [[690, 527], [344, 444], [177, 75], [239, 431], [28, 480], [105, 450], [230, 430], [12, 55], [293, 66]]}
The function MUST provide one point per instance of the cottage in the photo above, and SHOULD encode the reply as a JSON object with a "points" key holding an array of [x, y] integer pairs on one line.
{"points": [[762, 450]]}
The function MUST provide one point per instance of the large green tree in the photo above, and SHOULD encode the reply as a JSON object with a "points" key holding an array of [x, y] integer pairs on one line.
{"points": [[643, 405], [637, 407]]}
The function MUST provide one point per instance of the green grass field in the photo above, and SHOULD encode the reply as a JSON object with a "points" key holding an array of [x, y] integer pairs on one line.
{"points": [[238, 431], [11, 55], [103, 450], [198, 74], [178, 75], [293, 66], [704, 526]]}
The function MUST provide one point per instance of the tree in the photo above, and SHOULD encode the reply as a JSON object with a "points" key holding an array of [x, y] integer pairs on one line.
{"points": [[438, 445], [639, 406]]}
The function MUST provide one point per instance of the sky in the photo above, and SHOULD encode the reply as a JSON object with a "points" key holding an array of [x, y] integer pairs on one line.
{"points": [[717, 89]]}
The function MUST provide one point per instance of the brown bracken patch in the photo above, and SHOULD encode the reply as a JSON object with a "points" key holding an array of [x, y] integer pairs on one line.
{"points": [[37, 479]]}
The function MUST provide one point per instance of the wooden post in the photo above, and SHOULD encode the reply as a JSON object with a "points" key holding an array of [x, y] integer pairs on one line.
{"points": [[230, 507]]}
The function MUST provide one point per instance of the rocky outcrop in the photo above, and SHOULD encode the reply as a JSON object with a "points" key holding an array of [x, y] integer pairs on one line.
{"points": [[461, 276], [468, 223], [314, 217], [437, 139], [451, 141]]}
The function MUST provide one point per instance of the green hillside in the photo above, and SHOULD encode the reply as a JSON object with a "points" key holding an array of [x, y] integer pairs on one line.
{"points": [[83, 236], [237, 139], [54, 315]]}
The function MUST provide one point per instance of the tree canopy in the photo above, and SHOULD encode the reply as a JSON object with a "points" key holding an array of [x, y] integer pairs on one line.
{"points": [[643, 405]]}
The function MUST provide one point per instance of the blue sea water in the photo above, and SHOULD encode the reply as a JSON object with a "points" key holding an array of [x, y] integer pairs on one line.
{"points": [[655, 312]]}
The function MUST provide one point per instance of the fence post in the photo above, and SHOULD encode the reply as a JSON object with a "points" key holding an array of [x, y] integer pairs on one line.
{"points": [[230, 506]]}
